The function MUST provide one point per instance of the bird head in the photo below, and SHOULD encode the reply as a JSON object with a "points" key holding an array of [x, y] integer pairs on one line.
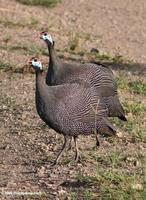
{"points": [[36, 64], [47, 37]]}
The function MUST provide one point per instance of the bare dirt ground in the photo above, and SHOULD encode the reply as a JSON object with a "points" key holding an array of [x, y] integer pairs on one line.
{"points": [[117, 170]]}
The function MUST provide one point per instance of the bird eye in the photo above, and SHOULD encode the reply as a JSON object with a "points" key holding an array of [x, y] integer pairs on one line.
{"points": [[45, 34], [35, 60]]}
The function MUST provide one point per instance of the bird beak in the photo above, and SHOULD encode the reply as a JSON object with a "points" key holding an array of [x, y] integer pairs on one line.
{"points": [[30, 62]]}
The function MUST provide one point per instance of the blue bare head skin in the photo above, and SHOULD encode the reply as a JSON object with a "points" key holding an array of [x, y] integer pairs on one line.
{"points": [[36, 63], [46, 36]]}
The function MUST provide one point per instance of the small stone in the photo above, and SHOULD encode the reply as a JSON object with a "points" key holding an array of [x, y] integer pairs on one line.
{"points": [[12, 184], [138, 164], [41, 171], [130, 159], [130, 115], [62, 192], [120, 134], [137, 186]]}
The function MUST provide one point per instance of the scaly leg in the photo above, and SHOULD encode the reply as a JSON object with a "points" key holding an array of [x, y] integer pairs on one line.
{"points": [[69, 145], [77, 156], [97, 142], [62, 150]]}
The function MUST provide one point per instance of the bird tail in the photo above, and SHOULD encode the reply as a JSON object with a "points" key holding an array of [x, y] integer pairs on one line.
{"points": [[106, 128], [116, 109], [121, 114], [122, 117]]}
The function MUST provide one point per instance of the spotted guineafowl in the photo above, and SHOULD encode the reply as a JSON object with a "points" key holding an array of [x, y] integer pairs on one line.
{"points": [[70, 109], [97, 75]]}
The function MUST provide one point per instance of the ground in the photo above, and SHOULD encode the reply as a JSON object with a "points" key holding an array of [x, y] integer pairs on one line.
{"points": [[117, 170]]}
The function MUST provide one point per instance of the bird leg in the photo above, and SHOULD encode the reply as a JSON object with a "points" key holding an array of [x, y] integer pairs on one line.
{"points": [[62, 150], [97, 142], [77, 156], [96, 136], [69, 145]]}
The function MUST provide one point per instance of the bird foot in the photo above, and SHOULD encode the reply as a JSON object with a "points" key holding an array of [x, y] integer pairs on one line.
{"points": [[97, 144], [69, 147], [55, 162], [77, 159]]}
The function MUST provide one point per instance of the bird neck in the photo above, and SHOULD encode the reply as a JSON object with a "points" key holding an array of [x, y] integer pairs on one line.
{"points": [[40, 82], [42, 87], [54, 64], [45, 98]]}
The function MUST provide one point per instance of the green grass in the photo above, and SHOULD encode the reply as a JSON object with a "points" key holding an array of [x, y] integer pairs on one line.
{"points": [[47, 3], [121, 171], [119, 184], [33, 50], [73, 195], [111, 159], [7, 38], [88, 194], [73, 41], [81, 177], [12, 24], [114, 183], [122, 194], [77, 40], [138, 87], [122, 82], [5, 66], [135, 126], [106, 57], [8, 101], [136, 108], [28, 50]]}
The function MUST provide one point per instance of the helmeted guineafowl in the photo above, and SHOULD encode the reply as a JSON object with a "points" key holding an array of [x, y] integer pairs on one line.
{"points": [[97, 75], [70, 109]]}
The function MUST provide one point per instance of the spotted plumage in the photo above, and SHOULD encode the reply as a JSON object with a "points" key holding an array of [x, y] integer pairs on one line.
{"points": [[72, 108], [95, 74]]}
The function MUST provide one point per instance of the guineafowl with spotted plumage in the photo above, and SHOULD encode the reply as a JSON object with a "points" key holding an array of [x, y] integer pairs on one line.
{"points": [[97, 75], [70, 109]]}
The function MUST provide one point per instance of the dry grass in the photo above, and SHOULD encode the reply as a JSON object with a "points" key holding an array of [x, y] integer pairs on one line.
{"points": [[47, 3], [116, 171]]}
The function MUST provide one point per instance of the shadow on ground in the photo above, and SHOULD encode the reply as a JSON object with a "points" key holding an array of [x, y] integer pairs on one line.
{"points": [[134, 68]]}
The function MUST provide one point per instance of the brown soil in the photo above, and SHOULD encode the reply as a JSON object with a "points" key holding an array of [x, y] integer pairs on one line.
{"points": [[27, 145]]}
